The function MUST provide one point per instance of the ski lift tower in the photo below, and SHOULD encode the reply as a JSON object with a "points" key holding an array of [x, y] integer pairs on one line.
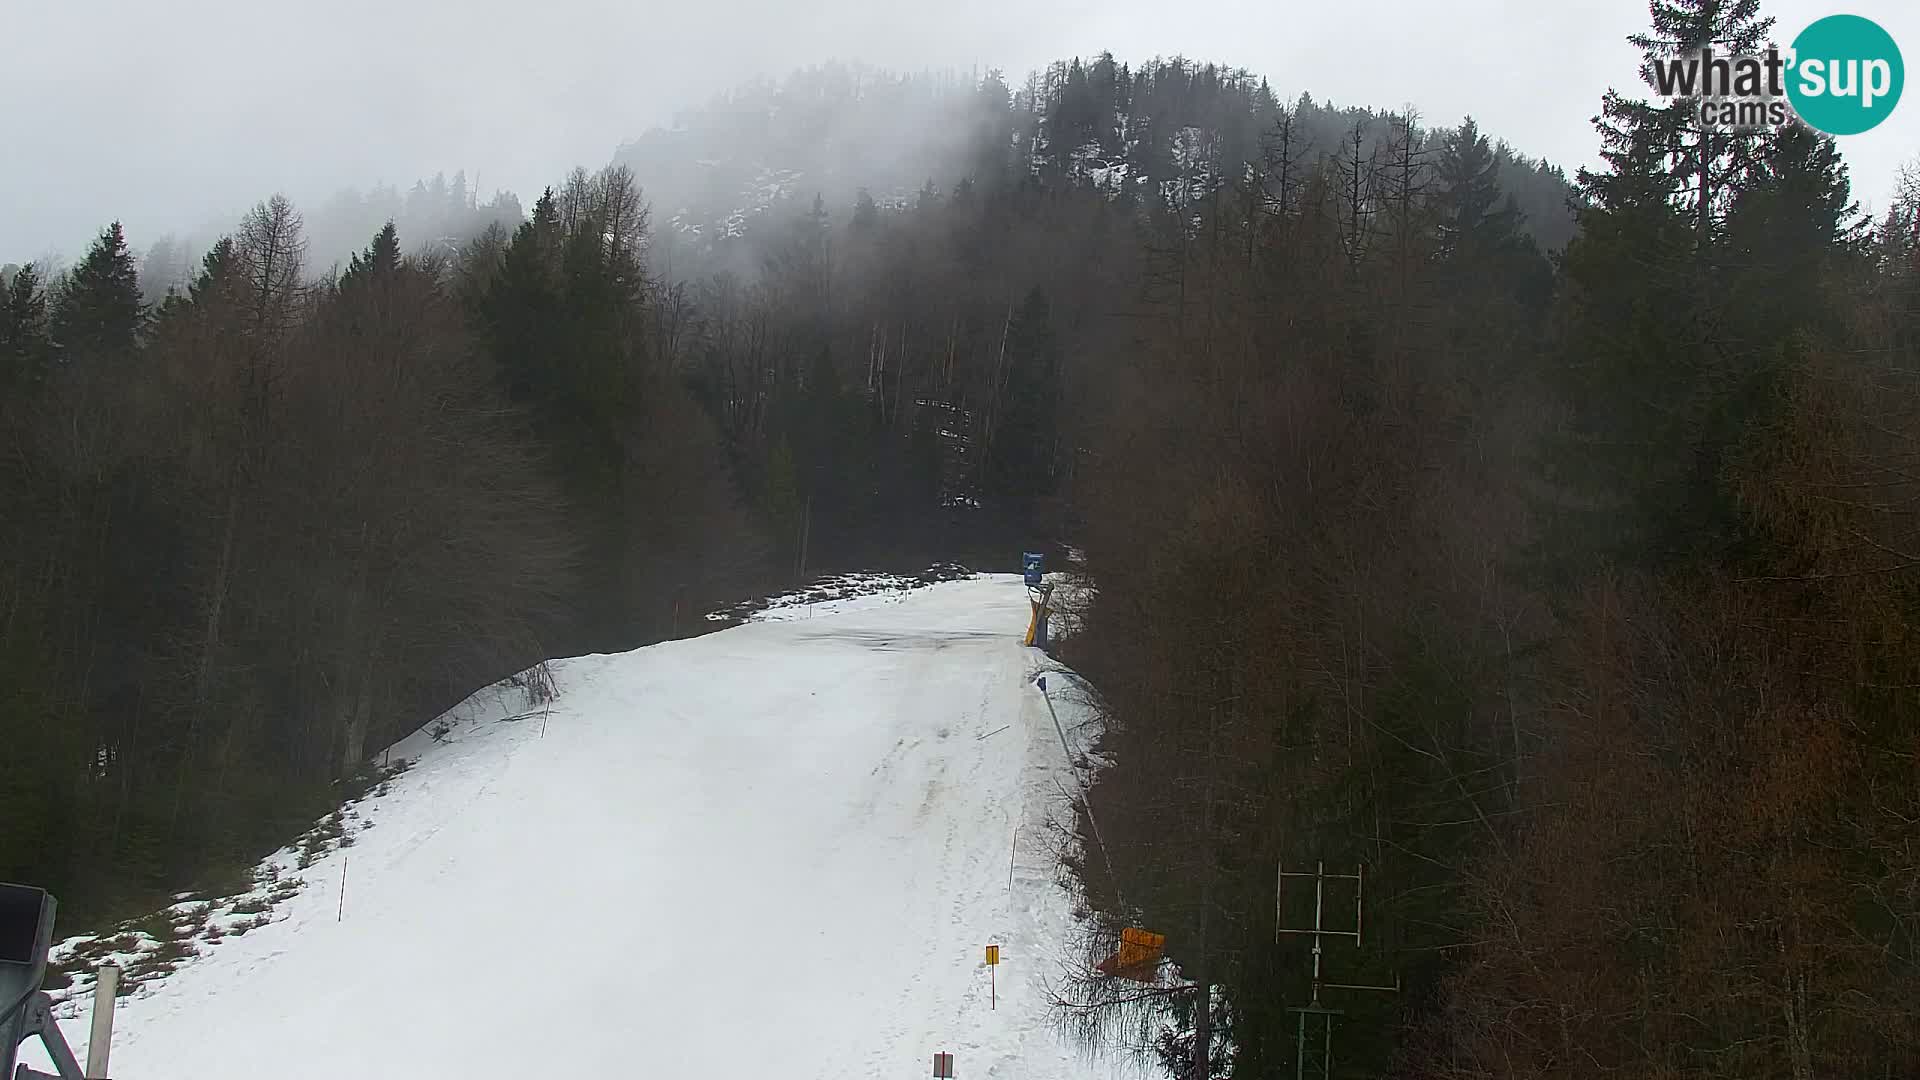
{"points": [[1314, 1008]]}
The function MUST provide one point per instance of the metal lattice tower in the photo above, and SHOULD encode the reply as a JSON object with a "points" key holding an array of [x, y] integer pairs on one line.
{"points": [[1314, 1008]]}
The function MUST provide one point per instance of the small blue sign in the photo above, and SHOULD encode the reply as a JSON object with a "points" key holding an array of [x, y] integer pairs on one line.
{"points": [[1031, 563]]}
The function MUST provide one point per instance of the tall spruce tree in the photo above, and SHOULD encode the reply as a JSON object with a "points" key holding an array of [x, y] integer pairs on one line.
{"points": [[1664, 377], [1792, 222], [1694, 167], [219, 268], [381, 259], [97, 311], [1473, 218], [26, 347], [520, 305]]}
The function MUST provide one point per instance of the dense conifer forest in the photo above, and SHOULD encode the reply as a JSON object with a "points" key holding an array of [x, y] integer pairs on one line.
{"points": [[1545, 544]]}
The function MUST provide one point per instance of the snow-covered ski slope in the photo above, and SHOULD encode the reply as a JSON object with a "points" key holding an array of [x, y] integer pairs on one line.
{"points": [[776, 850]]}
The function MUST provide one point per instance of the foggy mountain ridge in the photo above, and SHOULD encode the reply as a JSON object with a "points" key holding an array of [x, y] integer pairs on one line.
{"points": [[837, 130], [827, 131]]}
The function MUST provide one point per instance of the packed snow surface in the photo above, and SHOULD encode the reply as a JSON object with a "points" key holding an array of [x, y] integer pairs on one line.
{"points": [[779, 849]]}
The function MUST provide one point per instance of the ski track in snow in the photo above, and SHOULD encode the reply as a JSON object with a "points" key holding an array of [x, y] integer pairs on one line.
{"points": [[780, 848]]}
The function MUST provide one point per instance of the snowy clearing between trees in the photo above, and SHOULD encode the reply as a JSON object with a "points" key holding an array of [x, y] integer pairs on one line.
{"points": [[778, 848]]}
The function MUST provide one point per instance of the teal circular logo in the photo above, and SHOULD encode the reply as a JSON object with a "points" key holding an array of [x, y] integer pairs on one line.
{"points": [[1846, 74]]}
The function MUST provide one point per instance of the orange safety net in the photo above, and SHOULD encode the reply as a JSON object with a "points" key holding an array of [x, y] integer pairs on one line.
{"points": [[1138, 958]]}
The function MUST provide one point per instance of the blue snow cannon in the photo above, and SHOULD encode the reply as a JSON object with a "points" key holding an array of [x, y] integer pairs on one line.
{"points": [[1031, 564]]}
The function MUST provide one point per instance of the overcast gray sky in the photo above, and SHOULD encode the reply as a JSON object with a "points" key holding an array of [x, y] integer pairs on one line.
{"points": [[167, 115]]}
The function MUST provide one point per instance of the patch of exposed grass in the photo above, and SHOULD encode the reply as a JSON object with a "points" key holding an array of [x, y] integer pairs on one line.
{"points": [[161, 961], [119, 943]]}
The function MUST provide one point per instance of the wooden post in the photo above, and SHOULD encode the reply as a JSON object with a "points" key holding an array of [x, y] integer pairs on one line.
{"points": [[106, 987]]}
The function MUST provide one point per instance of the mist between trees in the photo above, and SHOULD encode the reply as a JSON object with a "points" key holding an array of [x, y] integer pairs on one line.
{"points": [[1571, 591]]}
